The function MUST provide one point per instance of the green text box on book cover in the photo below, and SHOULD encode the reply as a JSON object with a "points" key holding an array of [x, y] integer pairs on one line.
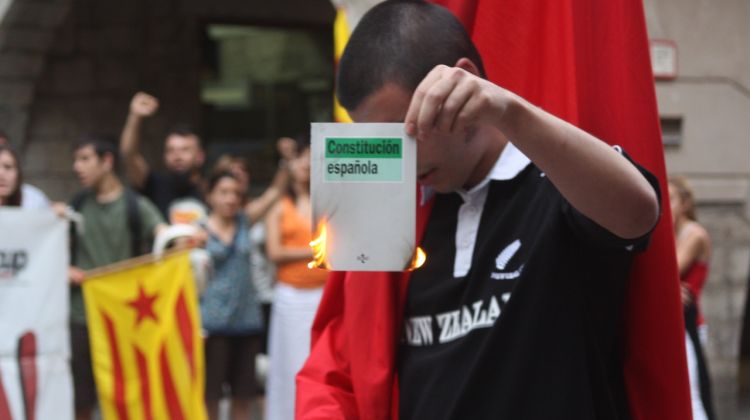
{"points": [[356, 159]]}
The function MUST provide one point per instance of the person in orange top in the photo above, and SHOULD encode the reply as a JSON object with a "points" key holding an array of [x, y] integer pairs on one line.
{"points": [[693, 247], [297, 292]]}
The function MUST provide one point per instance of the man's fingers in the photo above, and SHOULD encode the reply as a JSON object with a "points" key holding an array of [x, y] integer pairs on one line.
{"points": [[412, 115], [471, 110], [447, 121], [433, 103]]}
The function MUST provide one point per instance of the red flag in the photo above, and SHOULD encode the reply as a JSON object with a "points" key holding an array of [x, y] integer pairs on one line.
{"points": [[351, 369], [4, 406], [587, 62]]}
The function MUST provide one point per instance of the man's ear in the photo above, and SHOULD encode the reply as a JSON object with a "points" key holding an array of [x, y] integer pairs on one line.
{"points": [[468, 65]]}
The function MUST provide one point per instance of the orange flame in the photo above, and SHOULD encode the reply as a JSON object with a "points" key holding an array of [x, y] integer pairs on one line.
{"points": [[417, 260], [318, 246]]}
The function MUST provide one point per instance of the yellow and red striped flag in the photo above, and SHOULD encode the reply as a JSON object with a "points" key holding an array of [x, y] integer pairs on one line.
{"points": [[147, 351], [341, 33]]}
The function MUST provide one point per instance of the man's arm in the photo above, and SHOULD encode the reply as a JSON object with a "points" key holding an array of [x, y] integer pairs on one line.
{"points": [[257, 208], [141, 106], [76, 276], [591, 175]]}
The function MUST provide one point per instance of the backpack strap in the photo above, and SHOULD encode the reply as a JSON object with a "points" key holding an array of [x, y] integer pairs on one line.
{"points": [[133, 219], [134, 223]]}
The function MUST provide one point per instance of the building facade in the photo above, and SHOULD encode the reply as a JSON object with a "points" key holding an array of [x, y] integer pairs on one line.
{"points": [[705, 111]]}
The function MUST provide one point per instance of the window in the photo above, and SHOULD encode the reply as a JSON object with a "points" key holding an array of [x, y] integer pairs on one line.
{"points": [[671, 131], [260, 83]]}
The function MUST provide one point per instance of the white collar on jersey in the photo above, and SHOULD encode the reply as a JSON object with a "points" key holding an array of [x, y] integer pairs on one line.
{"points": [[510, 163]]}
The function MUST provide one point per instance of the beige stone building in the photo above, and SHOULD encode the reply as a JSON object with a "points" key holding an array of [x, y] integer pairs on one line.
{"points": [[705, 112]]}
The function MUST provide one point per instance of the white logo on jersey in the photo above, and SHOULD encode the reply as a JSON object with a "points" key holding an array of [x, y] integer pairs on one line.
{"points": [[452, 325], [503, 259]]}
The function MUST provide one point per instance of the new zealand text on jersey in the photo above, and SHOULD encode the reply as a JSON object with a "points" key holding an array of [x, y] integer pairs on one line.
{"points": [[451, 325]]}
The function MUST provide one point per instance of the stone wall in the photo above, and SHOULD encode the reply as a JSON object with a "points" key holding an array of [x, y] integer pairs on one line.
{"points": [[711, 95], [102, 53], [723, 300], [69, 68], [27, 29]]}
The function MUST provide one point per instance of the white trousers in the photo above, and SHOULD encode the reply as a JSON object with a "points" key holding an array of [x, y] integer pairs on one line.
{"points": [[699, 412], [292, 316]]}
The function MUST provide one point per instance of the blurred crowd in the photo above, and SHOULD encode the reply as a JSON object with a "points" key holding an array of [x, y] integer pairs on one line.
{"points": [[258, 298]]}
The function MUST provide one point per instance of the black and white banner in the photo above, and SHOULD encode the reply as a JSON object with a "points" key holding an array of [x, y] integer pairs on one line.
{"points": [[35, 380]]}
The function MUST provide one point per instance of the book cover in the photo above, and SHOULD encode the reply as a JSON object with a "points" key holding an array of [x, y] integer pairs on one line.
{"points": [[363, 189]]}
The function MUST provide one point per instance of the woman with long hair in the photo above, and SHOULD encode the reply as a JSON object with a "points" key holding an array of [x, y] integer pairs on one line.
{"points": [[693, 247], [297, 292], [11, 178]]}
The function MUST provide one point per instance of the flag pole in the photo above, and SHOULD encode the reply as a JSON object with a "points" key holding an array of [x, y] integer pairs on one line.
{"points": [[133, 262]]}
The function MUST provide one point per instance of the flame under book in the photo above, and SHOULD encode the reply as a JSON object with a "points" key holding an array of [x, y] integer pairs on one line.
{"points": [[363, 187]]}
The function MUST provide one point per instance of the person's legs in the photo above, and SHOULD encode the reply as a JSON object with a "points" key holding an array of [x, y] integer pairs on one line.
{"points": [[699, 412], [84, 389], [289, 345], [275, 363], [240, 409], [84, 413], [216, 354], [266, 311], [241, 377], [261, 365]]}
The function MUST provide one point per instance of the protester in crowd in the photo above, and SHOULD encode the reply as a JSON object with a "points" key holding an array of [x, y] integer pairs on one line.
{"points": [[534, 223], [693, 247], [33, 197], [11, 178], [297, 292], [238, 167], [183, 159], [287, 148], [119, 224], [262, 270], [230, 310]]}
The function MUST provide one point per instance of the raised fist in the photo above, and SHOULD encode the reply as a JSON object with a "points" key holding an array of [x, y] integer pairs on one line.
{"points": [[287, 148], [144, 105]]}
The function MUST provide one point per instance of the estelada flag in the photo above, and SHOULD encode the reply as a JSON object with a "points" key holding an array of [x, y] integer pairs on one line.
{"points": [[144, 328], [586, 61], [341, 34]]}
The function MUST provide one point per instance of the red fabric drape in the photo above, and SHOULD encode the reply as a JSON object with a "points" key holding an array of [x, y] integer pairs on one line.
{"points": [[587, 62], [350, 371]]}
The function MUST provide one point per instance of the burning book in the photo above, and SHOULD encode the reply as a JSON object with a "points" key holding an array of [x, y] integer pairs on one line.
{"points": [[363, 186]]}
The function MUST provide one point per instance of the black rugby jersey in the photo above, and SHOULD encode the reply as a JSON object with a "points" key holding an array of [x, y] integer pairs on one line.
{"points": [[534, 330]]}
